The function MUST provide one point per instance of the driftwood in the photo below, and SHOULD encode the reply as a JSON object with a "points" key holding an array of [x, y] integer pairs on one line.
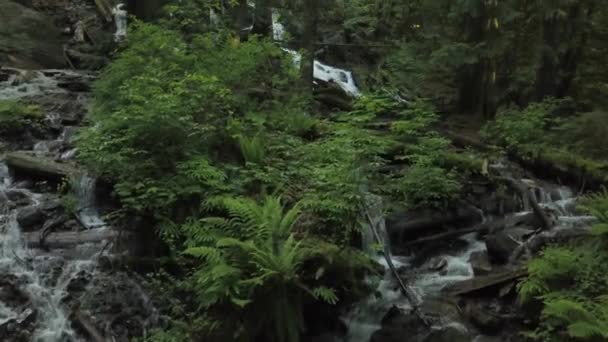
{"points": [[68, 239], [484, 282]]}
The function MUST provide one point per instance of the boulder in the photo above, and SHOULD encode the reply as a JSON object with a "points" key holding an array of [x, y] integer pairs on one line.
{"points": [[501, 245], [480, 261], [485, 318], [31, 218], [28, 39]]}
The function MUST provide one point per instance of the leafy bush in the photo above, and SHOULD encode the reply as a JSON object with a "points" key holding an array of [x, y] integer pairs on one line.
{"points": [[522, 129], [252, 149], [429, 187], [254, 263], [587, 134]]}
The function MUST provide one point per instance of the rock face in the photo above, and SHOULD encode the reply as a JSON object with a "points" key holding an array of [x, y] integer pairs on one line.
{"points": [[28, 39]]}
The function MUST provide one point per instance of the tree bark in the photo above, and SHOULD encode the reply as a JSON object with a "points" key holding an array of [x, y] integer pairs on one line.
{"points": [[309, 39], [262, 24]]}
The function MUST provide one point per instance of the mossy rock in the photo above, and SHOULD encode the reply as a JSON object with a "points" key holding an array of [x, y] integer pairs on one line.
{"points": [[28, 39]]}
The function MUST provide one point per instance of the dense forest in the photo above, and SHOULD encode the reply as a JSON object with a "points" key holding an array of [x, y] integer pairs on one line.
{"points": [[278, 170]]}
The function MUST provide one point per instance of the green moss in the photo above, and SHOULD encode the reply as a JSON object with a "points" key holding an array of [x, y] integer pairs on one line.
{"points": [[14, 115]]}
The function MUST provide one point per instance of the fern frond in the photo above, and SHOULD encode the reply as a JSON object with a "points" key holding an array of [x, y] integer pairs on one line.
{"points": [[325, 294]]}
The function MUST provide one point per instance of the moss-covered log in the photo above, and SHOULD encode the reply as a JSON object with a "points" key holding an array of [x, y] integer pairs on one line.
{"points": [[37, 167]]}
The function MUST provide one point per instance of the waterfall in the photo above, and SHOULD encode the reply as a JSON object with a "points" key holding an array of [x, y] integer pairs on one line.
{"points": [[87, 209], [343, 78], [33, 273], [120, 19], [365, 319]]}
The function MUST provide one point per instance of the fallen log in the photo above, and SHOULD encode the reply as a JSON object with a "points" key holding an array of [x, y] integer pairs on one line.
{"points": [[25, 163], [68, 239], [484, 282]]}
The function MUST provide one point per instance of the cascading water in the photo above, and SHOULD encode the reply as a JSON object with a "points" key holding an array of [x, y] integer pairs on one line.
{"points": [[343, 78], [446, 268], [87, 209], [366, 317], [33, 269]]}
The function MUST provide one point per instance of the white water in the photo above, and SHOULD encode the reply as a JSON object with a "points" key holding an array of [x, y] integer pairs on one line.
{"points": [[120, 20], [327, 73], [367, 315], [365, 319], [33, 270], [87, 209], [27, 83]]}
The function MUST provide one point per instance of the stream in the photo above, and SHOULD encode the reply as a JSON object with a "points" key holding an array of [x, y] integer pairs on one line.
{"points": [[54, 286], [452, 266]]}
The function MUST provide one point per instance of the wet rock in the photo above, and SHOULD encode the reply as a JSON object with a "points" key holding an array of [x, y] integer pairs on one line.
{"points": [[18, 198], [484, 317], [480, 261], [437, 264], [10, 293], [501, 245], [79, 282], [117, 306], [448, 334], [31, 218], [19, 329]]}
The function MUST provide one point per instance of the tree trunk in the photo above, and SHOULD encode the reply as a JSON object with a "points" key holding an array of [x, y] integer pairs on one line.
{"points": [[311, 13], [262, 24]]}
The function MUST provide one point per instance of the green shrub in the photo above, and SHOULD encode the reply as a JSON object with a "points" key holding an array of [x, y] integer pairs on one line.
{"points": [[587, 134], [514, 128], [252, 149], [254, 264], [428, 187]]}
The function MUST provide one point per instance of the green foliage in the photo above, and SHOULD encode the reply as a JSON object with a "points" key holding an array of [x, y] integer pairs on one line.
{"points": [[252, 149], [429, 186], [515, 128], [572, 285], [254, 263], [15, 115], [587, 134]]}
